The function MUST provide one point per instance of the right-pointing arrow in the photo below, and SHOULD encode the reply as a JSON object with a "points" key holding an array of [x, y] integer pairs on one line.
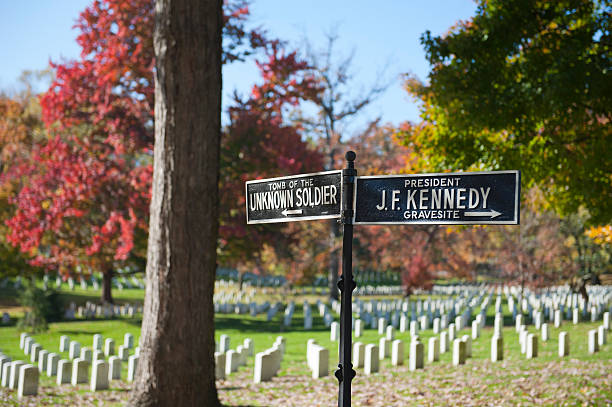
{"points": [[491, 213]]}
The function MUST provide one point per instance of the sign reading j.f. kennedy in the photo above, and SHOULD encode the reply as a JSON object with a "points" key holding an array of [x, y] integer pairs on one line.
{"points": [[293, 198], [447, 198]]}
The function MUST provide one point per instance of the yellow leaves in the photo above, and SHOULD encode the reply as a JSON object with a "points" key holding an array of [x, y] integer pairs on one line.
{"points": [[601, 234], [46, 204]]}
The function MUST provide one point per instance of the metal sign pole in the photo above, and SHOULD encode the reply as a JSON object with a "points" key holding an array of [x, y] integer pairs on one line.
{"points": [[346, 284]]}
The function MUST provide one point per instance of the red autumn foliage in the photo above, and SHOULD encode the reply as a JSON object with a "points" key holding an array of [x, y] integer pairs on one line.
{"points": [[86, 194]]}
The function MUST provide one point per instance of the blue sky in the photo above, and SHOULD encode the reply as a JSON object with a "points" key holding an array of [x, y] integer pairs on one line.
{"points": [[384, 36]]}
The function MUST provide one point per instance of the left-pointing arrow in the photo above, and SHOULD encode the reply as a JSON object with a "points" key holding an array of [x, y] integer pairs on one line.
{"points": [[287, 212], [492, 213]]}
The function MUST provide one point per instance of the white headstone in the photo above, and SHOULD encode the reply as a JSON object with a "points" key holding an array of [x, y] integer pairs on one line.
{"points": [[358, 328], [132, 367], [42, 360], [128, 340], [545, 332], [86, 354], [320, 363], [109, 347], [124, 353], [532, 346], [452, 332], [22, 338], [575, 316], [382, 324], [475, 329], [99, 375], [593, 341], [28, 381], [498, 325], [601, 336], [52, 360], [519, 323], [416, 355], [114, 368], [75, 350], [558, 318], [80, 371], [444, 342], [403, 323], [458, 352], [97, 342], [5, 371], [414, 328], [34, 352], [384, 348], [390, 334], [248, 345], [371, 359], [264, 367], [523, 338], [436, 326], [397, 353], [358, 354], [64, 343], [458, 322], [232, 360], [64, 371], [335, 331], [497, 348], [14, 373], [564, 344], [220, 361], [433, 350]]}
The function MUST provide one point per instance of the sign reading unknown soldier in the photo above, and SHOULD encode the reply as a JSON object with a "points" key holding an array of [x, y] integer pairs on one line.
{"points": [[294, 198], [442, 199]]}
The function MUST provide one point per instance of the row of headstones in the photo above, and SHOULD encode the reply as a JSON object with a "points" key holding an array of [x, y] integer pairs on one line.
{"points": [[413, 326], [554, 311], [241, 308], [369, 356], [73, 371], [365, 290], [267, 363], [119, 283], [91, 310]]}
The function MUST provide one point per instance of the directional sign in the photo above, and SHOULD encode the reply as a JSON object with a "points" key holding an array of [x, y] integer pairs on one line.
{"points": [[441, 199], [294, 198]]}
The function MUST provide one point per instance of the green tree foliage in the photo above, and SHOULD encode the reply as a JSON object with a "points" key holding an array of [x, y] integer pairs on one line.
{"points": [[524, 84], [37, 304]]}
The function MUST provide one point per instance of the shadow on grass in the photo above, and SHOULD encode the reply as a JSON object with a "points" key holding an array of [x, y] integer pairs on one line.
{"points": [[249, 324], [508, 320]]}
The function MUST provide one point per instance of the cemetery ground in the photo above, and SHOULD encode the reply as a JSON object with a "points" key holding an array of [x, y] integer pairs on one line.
{"points": [[578, 379]]}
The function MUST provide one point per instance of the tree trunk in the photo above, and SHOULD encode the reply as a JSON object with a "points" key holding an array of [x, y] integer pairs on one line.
{"points": [[240, 280], [107, 286], [176, 366], [334, 262]]}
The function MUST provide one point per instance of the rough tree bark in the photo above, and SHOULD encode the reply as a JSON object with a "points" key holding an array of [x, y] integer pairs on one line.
{"points": [[176, 366], [107, 286]]}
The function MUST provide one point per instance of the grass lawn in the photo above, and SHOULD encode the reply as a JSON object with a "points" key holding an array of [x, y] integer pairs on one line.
{"points": [[580, 379]]}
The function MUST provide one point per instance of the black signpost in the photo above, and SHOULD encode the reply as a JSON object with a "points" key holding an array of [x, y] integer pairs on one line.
{"points": [[464, 198]]}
